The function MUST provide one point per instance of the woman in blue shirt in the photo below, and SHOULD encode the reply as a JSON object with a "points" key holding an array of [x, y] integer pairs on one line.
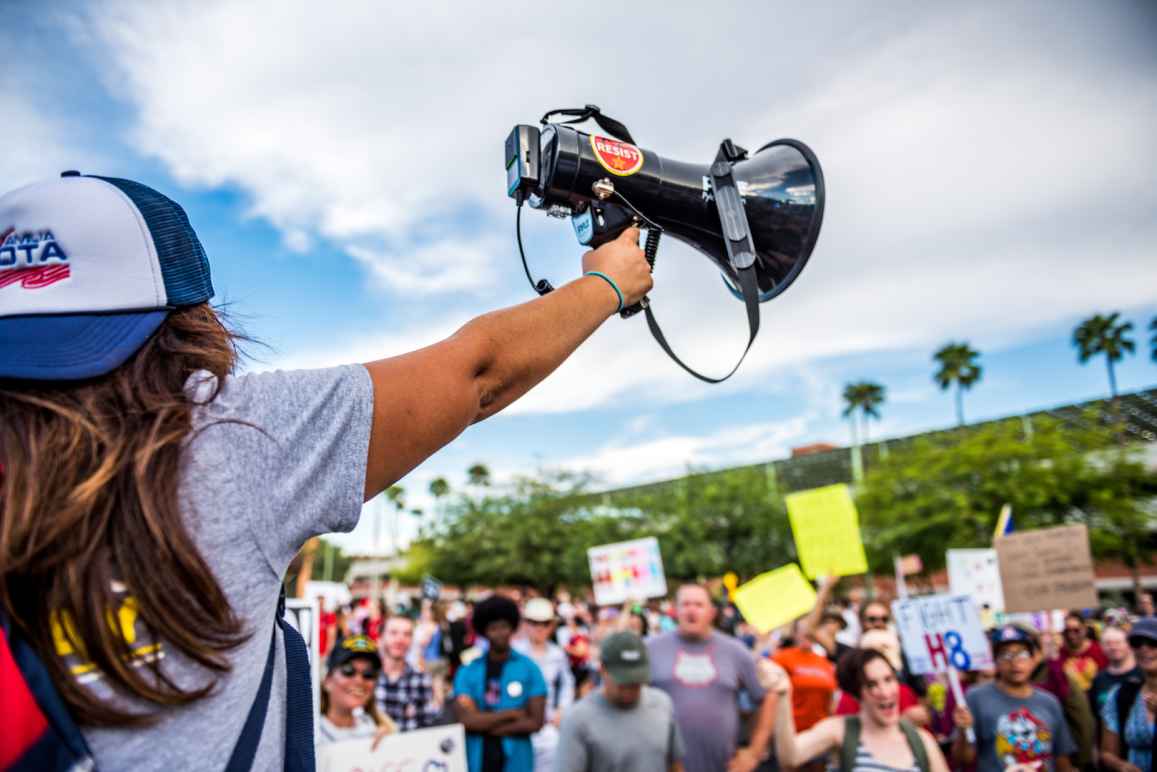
{"points": [[1129, 748]]}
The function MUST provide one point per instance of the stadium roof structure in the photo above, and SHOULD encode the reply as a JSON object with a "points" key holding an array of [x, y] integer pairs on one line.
{"points": [[1137, 410]]}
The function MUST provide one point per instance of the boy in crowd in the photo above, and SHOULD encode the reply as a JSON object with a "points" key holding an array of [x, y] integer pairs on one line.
{"points": [[1014, 723]]}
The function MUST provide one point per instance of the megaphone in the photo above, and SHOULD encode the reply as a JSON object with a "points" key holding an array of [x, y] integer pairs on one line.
{"points": [[756, 216]]}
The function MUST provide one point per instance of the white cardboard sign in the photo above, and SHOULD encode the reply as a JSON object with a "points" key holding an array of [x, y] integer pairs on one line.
{"points": [[627, 570], [939, 631], [976, 573], [437, 749]]}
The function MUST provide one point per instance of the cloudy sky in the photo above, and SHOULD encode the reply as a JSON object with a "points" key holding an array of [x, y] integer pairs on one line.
{"points": [[990, 174]]}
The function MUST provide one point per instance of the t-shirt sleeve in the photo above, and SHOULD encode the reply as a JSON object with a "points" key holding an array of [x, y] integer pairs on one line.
{"points": [[289, 449]]}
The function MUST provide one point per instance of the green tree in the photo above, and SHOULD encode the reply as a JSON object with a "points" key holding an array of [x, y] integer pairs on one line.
{"points": [[862, 398], [478, 475], [1104, 335], [945, 490], [959, 365]]}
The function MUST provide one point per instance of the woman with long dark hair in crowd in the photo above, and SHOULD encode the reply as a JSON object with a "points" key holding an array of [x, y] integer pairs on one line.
{"points": [[151, 499], [876, 738]]}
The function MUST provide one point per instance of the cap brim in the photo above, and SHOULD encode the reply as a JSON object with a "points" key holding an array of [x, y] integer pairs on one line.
{"points": [[74, 346], [630, 675]]}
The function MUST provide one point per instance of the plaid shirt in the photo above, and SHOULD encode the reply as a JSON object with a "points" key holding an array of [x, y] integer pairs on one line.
{"points": [[409, 701]]}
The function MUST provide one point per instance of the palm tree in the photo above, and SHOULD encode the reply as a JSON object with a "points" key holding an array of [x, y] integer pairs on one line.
{"points": [[439, 488], [396, 495], [1104, 335], [1153, 339], [864, 397], [478, 474], [958, 365]]}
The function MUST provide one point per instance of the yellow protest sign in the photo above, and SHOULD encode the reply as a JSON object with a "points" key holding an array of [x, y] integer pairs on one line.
{"points": [[827, 532], [775, 598]]}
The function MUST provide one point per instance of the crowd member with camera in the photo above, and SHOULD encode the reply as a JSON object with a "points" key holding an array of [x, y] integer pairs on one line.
{"points": [[145, 481]]}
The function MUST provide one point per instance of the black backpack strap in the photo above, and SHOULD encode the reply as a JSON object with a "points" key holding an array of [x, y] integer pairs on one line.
{"points": [[299, 743], [851, 743], [246, 748], [916, 743]]}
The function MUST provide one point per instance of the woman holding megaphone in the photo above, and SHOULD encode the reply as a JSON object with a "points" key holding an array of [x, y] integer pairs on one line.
{"points": [[151, 499]]}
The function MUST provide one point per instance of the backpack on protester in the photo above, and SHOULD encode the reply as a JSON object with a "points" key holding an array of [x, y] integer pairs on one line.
{"points": [[41, 735], [852, 727], [1127, 694]]}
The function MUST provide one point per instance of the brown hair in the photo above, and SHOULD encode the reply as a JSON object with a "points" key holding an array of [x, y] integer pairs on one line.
{"points": [[850, 670], [88, 497]]}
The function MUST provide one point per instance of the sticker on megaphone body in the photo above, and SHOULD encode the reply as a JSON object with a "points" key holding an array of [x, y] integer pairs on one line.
{"points": [[617, 157]]}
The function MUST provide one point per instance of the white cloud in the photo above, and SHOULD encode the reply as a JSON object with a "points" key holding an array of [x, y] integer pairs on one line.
{"points": [[987, 169]]}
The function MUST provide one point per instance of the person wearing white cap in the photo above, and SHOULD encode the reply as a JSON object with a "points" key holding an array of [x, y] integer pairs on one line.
{"points": [[145, 484], [539, 619]]}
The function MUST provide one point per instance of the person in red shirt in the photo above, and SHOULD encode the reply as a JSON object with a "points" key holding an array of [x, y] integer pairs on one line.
{"points": [[1081, 657]]}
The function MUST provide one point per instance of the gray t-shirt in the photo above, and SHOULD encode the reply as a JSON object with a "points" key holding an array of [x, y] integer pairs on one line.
{"points": [[1011, 730], [279, 457], [703, 679], [598, 736]]}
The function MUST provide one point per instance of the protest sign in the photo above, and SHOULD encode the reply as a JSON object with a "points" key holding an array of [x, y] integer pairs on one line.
{"points": [[775, 598], [826, 527], [627, 570], [438, 749], [941, 631], [976, 573], [1048, 568], [431, 588], [305, 615]]}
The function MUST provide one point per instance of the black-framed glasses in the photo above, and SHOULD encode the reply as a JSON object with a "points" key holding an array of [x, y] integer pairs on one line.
{"points": [[878, 620], [537, 622], [349, 671]]}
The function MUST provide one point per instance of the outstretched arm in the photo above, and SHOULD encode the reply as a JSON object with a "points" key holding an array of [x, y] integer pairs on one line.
{"points": [[426, 398]]}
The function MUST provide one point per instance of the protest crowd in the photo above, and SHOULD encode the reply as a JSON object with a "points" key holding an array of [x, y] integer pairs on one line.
{"points": [[685, 682]]}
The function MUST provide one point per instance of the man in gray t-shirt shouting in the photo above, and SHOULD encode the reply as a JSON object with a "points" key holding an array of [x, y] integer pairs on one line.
{"points": [[703, 671], [626, 726]]}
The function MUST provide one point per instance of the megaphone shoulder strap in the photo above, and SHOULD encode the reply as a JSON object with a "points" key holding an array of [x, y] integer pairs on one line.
{"points": [[592, 112], [750, 291]]}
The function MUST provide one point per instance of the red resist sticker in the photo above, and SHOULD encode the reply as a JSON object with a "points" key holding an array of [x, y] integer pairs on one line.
{"points": [[621, 158]]}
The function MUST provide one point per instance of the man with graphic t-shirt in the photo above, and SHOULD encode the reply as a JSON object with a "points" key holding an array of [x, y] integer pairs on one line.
{"points": [[1014, 723], [702, 671]]}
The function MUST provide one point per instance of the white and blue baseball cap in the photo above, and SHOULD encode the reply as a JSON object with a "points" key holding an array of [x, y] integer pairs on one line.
{"points": [[89, 269]]}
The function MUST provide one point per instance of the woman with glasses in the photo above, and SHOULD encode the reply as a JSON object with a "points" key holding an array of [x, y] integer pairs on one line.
{"points": [[1130, 712], [348, 711]]}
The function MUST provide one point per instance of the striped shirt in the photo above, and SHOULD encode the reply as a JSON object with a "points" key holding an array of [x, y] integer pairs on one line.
{"points": [[866, 762]]}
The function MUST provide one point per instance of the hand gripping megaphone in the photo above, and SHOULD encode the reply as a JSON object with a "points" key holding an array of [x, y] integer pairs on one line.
{"points": [[755, 215]]}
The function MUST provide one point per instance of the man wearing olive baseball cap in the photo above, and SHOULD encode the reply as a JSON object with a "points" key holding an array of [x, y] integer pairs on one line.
{"points": [[626, 726]]}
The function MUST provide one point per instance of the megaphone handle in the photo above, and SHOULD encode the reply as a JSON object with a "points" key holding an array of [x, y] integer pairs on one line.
{"points": [[650, 250]]}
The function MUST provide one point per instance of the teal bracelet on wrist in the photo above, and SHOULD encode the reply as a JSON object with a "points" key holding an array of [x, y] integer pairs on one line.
{"points": [[611, 282]]}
